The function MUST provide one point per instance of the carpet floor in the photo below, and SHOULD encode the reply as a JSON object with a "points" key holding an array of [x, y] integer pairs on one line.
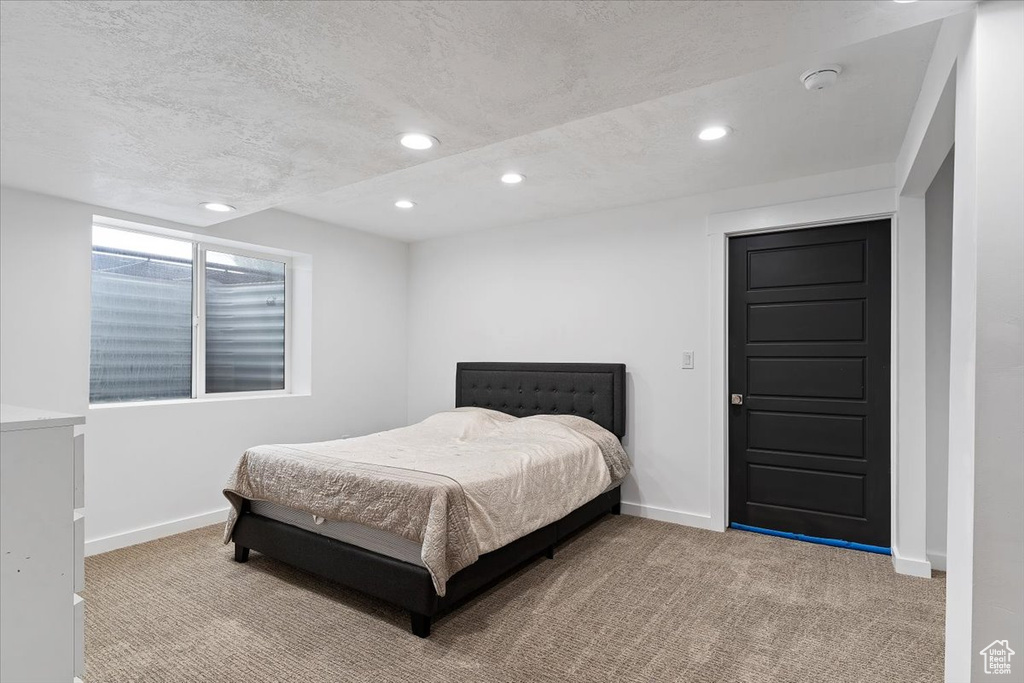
{"points": [[627, 599]]}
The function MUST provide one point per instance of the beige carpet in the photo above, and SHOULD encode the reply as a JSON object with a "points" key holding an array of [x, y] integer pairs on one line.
{"points": [[626, 600]]}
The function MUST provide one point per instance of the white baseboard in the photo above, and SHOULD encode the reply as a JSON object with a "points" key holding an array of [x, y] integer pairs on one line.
{"points": [[938, 561], [674, 516], [151, 533], [910, 566]]}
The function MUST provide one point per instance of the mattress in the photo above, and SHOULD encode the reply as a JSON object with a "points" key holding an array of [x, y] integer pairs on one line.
{"points": [[379, 541], [376, 540]]}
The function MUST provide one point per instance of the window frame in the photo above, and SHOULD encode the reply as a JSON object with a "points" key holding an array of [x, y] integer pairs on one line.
{"points": [[200, 245]]}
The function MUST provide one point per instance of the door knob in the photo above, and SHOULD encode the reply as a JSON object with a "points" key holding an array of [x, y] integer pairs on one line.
{"points": [[736, 399]]}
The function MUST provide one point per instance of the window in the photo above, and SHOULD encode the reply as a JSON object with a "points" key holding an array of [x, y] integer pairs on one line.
{"points": [[174, 319], [245, 323]]}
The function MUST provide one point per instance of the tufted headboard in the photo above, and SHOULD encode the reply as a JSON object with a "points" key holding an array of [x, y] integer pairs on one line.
{"points": [[593, 390]]}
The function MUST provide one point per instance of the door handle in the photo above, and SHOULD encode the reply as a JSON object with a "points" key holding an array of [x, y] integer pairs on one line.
{"points": [[736, 399]]}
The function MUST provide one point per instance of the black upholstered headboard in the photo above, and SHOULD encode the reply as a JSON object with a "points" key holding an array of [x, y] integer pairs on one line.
{"points": [[593, 390]]}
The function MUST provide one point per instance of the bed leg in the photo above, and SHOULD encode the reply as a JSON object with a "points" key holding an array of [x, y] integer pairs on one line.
{"points": [[617, 509], [420, 625], [241, 553], [549, 552]]}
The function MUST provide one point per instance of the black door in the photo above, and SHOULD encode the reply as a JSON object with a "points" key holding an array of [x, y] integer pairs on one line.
{"points": [[809, 354]]}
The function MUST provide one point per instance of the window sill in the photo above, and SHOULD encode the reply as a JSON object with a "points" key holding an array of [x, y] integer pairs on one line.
{"points": [[189, 401]]}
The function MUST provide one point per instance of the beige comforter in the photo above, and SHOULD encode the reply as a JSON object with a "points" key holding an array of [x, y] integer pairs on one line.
{"points": [[462, 482]]}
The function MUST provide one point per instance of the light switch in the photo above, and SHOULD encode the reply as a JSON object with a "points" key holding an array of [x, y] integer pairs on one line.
{"points": [[687, 360]]}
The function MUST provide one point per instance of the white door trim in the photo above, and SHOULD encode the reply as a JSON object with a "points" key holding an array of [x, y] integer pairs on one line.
{"points": [[907, 485]]}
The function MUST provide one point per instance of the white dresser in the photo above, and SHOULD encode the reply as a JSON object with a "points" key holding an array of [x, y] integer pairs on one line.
{"points": [[42, 615]]}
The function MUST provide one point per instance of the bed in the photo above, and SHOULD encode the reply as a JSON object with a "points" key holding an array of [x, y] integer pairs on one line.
{"points": [[425, 577]]}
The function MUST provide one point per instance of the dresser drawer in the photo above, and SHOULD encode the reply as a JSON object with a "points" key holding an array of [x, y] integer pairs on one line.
{"points": [[79, 552], [79, 636], [79, 471]]}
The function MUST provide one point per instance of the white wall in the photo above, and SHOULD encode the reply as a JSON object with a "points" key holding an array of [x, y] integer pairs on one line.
{"points": [[938, 258], [620, 286], [628, 285], [150, 465], [998, 165], [985, 537]]}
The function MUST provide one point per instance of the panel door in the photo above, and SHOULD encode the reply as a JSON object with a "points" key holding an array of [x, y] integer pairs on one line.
{"points": [[809, 352]]}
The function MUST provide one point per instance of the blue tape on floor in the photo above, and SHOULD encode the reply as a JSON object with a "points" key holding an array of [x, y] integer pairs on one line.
{"points": [[814, 539]]}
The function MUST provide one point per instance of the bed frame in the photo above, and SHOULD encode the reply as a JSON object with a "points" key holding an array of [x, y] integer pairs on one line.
{"points": [[593, 390]]}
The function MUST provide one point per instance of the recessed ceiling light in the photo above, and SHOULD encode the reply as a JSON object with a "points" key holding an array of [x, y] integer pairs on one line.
{"points": [[217, 206], [904, 2], [405, 204], [417, 141], [713, 133], [513, 178]]}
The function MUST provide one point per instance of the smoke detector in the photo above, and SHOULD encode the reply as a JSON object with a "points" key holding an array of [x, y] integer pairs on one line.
{"points": [[822, 77]]}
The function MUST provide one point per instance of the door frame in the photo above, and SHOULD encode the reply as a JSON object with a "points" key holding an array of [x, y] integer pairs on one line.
{"points": [[907, 464]]}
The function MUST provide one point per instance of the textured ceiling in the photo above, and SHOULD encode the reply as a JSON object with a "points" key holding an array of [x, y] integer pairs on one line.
{"points": [[154, 107], [649, 151]]}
